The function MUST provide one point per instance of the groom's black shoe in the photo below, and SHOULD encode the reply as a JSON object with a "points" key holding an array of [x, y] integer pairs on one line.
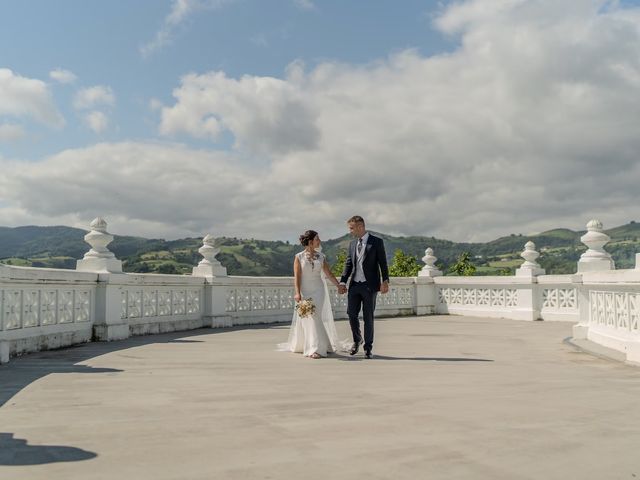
{"points": [[368, 354], [355, 348]]}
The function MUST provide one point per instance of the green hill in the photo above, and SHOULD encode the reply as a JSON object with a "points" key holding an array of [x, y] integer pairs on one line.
{"points": [[60, 247], [562, 233], [630, 231]]}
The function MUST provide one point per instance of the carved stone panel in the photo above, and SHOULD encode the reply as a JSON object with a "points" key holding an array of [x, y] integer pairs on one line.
{"points": [[150, 303], [123, 304], [272, 298], [48, 307], [243, 299], [286, 298], [179, 302], [134, 304], [193, 301], [164, 303], [634, 312], [231, 300], [82, 306], [560, 298], [257, 299], [12, 308], [30, 308], [65, 306]]}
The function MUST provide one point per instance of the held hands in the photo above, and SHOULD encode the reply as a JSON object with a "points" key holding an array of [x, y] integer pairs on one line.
{"points": [[342, 289]]}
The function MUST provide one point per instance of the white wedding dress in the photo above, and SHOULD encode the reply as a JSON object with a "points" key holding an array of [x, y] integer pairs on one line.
{"points": [[315, 333]]}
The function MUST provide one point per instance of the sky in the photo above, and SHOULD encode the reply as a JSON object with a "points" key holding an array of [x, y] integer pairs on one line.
{"points": [[465, 120]]}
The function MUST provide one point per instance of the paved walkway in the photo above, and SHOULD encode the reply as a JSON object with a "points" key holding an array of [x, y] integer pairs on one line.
{"points": [[445, 398]]}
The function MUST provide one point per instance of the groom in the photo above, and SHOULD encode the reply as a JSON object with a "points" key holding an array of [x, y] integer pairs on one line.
{"points": [[366, 260]]}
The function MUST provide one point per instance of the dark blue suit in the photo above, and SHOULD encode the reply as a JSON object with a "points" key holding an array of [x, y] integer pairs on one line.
{"points": [[363, 295]]}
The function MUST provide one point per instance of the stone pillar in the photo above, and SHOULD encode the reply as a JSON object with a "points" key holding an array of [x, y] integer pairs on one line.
{"points": [[109, 324], [4, 351], [425, 295], [425, 286], [99, 258], [216, 290], [209, 266], [595, 258], [429, 269], [581, 329], [530, 268]]}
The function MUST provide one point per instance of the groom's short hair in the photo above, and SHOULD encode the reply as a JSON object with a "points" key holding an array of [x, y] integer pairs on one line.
{"points": [[356, 219]]}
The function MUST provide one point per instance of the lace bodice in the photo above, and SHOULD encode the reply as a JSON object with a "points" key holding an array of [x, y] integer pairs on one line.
{"points": [[311, 267]]}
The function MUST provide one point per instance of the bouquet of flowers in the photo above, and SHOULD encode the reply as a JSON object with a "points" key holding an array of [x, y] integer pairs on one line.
{"points": [[305, 308]]}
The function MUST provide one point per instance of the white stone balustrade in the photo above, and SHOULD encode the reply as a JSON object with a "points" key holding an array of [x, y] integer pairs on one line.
{"points": [[209, 266], [530, 268], [429, 269], [50, 308], [609, 305], [99, 258], [45, 308], [595, 258]]}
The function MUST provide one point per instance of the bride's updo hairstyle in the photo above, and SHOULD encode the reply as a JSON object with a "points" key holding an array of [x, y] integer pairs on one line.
{"points": [[307, 237]]}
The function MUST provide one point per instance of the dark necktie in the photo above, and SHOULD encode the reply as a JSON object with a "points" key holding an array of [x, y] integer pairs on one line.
{"points": [[359, 246]]}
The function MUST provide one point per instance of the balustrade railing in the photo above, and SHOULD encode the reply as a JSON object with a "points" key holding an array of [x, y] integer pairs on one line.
{"points": [[44, 308], [49, 308]]}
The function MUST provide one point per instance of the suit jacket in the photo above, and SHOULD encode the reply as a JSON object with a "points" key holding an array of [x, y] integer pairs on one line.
{"points": [[374, 263]]}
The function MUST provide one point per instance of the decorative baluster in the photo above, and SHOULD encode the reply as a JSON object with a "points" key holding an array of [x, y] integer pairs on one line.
{"points": [[530, 268], [99, 258], [429, 269], [595, 258], [209, 266]]}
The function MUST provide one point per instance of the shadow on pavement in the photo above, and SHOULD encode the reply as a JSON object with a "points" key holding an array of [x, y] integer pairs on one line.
{"points": [[432, 359], [15, 451], [345, 358], [24, 370]]}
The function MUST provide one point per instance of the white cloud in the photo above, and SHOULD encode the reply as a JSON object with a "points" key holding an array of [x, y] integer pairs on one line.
{"points": [[530, 124], [62, 76], [305, 4], [96, 121], [265, 114], [11, 132], [181, 10], [155, 105], [93, 96], [151, 189], [23, 97]]}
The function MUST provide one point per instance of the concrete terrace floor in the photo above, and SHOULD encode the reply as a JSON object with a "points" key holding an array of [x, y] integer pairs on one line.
{"points": [[444, 398]]}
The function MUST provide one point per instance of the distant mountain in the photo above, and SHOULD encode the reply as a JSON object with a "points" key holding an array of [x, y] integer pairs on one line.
{"points": [[60, 247], [62, 244]]}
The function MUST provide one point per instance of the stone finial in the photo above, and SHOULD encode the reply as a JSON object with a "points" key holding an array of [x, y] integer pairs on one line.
{"points": [[99, 224], [530, 267], [209, 251], [595, 258], [99, 258], [429, 269], [209, 266]]}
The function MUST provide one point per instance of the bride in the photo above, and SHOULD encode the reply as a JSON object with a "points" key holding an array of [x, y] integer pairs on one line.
{"points": [[314, 335]]}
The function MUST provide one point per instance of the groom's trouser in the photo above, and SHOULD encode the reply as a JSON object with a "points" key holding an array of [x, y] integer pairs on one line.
{"points": [[361, 296]]}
